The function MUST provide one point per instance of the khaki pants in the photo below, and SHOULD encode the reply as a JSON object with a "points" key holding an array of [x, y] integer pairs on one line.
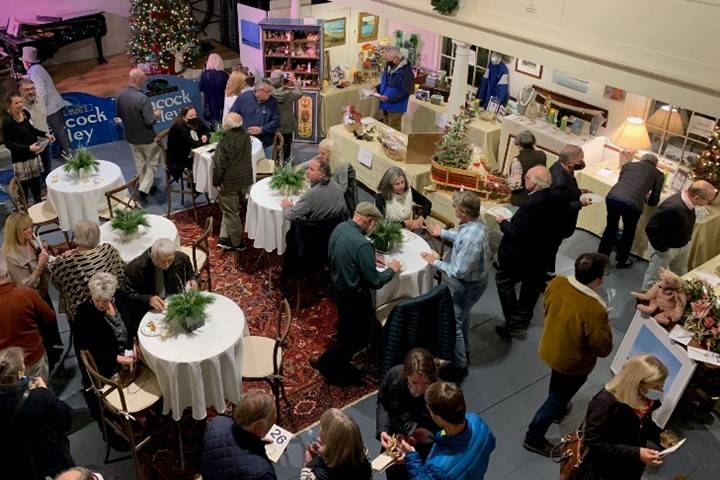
{"points": [[392, 119], [676, 259], [147, 158], [231, 226]]}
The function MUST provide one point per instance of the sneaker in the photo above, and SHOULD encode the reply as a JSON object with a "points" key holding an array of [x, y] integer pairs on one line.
{"points": [[224, 243], [626, 264], [545, 448], [507, 333]]}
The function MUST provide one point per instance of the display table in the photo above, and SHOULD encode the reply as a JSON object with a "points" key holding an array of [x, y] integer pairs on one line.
{"points": [[548, 139], [416, 279], [348, 147], [200, 369], [160, 227], [77, 199], [600, 177], [422, 117], [333, 101], [203, 166], [265, 222]]}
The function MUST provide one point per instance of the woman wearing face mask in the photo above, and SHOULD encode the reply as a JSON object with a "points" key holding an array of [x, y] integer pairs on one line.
{"points": [[401, 407], [619, 423], [187, 132]]}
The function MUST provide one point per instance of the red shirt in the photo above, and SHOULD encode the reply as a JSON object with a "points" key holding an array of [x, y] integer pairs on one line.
{"points": [[21, 309]]}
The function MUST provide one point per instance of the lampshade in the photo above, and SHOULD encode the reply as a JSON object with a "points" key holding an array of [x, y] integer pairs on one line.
{"points": [[673, 124], [631, 135]]}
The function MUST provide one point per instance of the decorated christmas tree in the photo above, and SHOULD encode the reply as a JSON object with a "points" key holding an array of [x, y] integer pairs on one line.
{"points": [[707, 166], [158, 26], [455, 149]]}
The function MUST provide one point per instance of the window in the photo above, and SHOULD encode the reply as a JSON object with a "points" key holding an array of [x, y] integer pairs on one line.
{"points": [[475, 71], [676, 133]]}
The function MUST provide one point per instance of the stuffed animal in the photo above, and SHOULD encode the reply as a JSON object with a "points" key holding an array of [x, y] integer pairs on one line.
{"points": [[665, 300]]}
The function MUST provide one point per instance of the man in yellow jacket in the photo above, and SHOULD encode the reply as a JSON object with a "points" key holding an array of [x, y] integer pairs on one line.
{"points": [[577, 332]]}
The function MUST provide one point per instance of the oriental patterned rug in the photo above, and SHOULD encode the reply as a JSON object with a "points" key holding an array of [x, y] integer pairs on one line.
{"points": [[253, 285]]}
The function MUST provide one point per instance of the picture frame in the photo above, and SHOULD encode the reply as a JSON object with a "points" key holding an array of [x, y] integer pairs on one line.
{"points": [[334, 32], [493, 105], [526, 67], [250, 33], [645, 336], [679, 180], [367, 27]]}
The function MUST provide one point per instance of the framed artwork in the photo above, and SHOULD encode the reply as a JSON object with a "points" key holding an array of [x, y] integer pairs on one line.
{"points": [[250, 33], [306, 112], [614, 93], [526, 67], [367, 27], [645, 336], [334, 32]]}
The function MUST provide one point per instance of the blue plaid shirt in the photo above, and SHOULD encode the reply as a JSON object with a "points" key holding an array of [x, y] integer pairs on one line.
{"points": [[470, 253]]}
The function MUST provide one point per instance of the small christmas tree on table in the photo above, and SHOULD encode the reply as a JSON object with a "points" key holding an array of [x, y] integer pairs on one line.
{"points": [[707, 166], [455, 150]]}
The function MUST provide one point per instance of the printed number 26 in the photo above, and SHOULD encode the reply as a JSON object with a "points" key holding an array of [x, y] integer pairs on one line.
{"points": [[278, 437]]}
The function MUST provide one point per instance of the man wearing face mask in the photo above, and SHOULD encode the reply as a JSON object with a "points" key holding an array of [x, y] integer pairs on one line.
{"points": [[353, 268], [494, 82], [395, 87]]}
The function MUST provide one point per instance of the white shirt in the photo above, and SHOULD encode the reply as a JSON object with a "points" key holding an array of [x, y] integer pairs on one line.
{"points": [[45, 88]]}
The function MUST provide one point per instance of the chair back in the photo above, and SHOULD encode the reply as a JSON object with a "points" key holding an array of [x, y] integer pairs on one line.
{"points": [[307, 245], [103, 386], [161, 139], [351, 193], [201, 243], [277, 150], [17, 194], [114, 197], [282, 334]]}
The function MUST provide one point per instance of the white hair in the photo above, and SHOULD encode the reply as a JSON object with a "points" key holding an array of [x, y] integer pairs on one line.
{"points": [[232, 120], [214, 62], [87, 233], [162, 247], [4, 274], [263, 82], [102, 286]]}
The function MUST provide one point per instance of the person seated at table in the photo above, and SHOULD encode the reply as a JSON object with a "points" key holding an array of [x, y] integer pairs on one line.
{"points": [[233, 447], [187, 132], [401, 407], [395, 198], [325, 198], [339, 452], [260, 112], [156, 274], [71, 271]]}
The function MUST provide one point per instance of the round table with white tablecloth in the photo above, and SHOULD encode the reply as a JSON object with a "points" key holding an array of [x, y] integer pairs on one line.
{"points": [[200, 369], [264, 222], [77, 199], [203, 166], [130, 248], [416, 278]]}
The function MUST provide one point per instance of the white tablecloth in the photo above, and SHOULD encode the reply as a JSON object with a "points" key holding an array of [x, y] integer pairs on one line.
{"points": [[200, 369], [203, 166], [264, 222], [160, 227], [74, 199], [416, 279]]}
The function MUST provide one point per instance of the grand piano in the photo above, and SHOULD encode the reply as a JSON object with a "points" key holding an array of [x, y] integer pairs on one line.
{"points": [[48, 33]]}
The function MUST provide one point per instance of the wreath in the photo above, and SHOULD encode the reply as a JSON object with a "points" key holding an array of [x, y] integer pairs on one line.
{"points": [[446, 7]]}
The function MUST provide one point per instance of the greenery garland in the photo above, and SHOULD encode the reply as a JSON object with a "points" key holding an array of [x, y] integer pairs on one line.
{"points": [[446, 7]]}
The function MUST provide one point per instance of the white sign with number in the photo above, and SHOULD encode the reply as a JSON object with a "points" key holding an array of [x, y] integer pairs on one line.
{"points": [[365, 157], [280, 439]]}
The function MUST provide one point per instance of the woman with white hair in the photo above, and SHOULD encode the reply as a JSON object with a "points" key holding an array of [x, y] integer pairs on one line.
{"points": [[212, 86]]}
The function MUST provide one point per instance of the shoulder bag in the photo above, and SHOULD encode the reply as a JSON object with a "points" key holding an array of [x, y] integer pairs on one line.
{"points": [[570, 453]]}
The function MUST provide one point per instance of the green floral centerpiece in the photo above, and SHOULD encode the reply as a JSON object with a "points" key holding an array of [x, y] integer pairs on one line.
{"points": [[386, 235], [127, 221], [287, 179], [80, 163], [187, 311], [217, 133]]}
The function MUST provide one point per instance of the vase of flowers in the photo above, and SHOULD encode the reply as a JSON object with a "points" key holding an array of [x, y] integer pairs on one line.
{"points": [[187, 311], [351, 119], [386, 235], [287, 179], [81, 163], [127, 222], [702, 314]]}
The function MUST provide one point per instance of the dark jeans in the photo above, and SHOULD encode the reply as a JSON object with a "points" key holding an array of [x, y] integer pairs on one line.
{"points": [[287, 146], [355, 316], [562, 389], [518, 312], [56, 122], [34, 186], [617, 209], [46, 158]]}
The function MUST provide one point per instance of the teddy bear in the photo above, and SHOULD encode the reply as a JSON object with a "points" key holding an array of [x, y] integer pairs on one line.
{"points": [[665, 300]]}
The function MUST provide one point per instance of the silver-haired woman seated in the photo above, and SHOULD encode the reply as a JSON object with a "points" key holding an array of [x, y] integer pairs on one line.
{"points": [[395, 198]]}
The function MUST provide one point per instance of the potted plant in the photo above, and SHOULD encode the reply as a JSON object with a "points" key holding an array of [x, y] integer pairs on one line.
{"points": [[217, 133], [187, 311], [128, 221], [81, 163], [287, 179], [386, 235]]}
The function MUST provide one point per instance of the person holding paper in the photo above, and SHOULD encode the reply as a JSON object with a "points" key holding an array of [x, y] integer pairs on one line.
{"points": [[395, 88], [619, 423]]}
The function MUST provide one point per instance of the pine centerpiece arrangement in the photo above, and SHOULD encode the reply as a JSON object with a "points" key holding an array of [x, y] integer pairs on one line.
{"points": [[455, 149], [287, 179], [128, 221], [187, 311], [386, 235], [217, 133], [80, 163]]}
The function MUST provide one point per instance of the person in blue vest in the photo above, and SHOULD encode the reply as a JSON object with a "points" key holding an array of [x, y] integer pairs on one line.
{"points": [[495, 82], [395, 87], [260, 114], [462, 448]]}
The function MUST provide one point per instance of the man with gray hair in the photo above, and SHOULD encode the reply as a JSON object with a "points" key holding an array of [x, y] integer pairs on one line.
{"points": [[286, 98], [530, 240], [260, 113], [138, 117], [467, 271], [35, 104], [395, 87]]}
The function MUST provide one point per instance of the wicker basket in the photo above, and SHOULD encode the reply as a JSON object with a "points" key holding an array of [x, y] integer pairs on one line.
{"points": [[457, 178], [399, 155]]}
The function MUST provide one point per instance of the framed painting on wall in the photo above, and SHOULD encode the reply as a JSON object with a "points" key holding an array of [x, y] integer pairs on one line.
{"points": [[367, 27], [334, 32], [526, 67]]}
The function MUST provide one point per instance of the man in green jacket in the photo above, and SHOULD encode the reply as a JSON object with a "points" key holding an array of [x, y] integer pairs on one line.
{"points": [[353, 267]]}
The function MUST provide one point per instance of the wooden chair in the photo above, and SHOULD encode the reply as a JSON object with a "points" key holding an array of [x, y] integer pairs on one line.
{"points": [[41, 213], [277, 151], [123, 197], [199, 253], [263, 357], [118, 405]]}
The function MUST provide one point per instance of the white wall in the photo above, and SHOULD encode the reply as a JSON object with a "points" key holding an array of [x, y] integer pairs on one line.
{"points": [[249, 56]]}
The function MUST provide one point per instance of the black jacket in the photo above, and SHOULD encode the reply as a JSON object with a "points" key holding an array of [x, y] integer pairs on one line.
{"points": [[636, 180], [397, 410], [672, 224], [19, 136], [566, 183], [180, 143], [343, 472], [37, 436], [140, 276], [614, 434], [528, 158]]}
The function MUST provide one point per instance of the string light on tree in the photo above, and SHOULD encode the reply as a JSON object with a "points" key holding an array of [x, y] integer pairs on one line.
{"points": [[707, 166]]}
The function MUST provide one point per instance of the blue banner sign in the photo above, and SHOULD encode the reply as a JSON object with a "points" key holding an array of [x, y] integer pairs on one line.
{"points": [[89, 120], [169, 94]]}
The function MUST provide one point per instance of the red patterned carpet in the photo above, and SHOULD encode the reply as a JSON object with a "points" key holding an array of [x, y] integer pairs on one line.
{"points": [[236, 276]]}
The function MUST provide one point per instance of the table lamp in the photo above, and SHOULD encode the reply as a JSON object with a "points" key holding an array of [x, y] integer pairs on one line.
{"points": [[667, 118], [630, 136]]}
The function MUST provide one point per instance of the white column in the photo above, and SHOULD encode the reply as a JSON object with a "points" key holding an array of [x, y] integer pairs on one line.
{"points": [[294, 8], [458, 87]]}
